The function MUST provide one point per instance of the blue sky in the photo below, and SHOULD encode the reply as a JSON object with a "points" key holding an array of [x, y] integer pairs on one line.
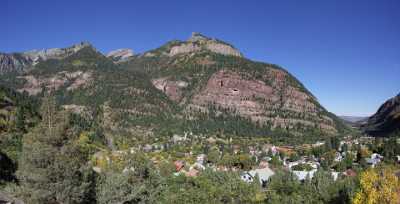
{"points": [[347, 53]]}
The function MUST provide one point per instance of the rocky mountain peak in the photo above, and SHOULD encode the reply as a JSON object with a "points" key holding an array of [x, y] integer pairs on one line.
{"points": [[120, 54], [197, 37], [19, 62], [52, 53], [196, 43]]}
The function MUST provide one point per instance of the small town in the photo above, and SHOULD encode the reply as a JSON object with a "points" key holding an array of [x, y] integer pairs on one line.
{"points": [[254, 160]]}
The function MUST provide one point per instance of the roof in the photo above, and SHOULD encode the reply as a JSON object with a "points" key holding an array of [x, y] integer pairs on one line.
{"points": [[350, 172], [302, 175], [179, 165], [264, 174]]}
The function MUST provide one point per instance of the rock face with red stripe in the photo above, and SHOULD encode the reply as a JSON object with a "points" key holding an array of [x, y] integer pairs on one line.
{"points": [[201, 84], [218, 80]]}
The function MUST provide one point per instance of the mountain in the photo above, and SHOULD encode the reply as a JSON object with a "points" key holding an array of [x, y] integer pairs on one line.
{"points": [[352, 119], [202, 85], [195, 44], [386, 120], [120, 55], [19, 62]]}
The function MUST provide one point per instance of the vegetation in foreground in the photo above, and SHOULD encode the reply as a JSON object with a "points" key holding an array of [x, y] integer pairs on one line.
{"points": [[61, 160]]}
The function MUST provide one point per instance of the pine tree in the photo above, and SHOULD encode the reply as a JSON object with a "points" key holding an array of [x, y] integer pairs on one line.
{"points": [[51, 167]]}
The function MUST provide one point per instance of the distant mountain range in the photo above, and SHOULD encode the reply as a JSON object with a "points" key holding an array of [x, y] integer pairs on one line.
{"points": [[353, 119], [202, 85], [386, 120]]}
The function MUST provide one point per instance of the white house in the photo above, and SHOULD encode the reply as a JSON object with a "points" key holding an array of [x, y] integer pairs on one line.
{"points": [[302, 175], [374, 160], [263, 174]]}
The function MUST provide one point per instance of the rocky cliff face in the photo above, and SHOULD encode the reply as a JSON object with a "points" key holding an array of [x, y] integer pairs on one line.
{"points": [[196, 43], [13, 63], [386, 120], [120, 55], [19, 62], [258, 101]]}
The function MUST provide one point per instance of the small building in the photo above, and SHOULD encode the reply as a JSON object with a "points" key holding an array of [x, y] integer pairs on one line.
{"points": [[302, 175], [147, 148], [338, 157], [201, 158], [179, 165], [176, 138], [263, 174], [374, 159]]}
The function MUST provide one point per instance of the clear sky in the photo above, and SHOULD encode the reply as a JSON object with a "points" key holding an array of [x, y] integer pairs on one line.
{"points": [[347, 53]]}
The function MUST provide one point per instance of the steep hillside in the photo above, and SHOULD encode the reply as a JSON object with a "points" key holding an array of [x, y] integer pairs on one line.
{"points": [[20, 62], [202, 85], [386, 120], [17, 111], [220, 85]]}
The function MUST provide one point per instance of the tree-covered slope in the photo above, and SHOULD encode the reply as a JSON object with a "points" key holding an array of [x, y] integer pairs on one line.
{"points": [[223, 87], [201, 85], [386, 120]]}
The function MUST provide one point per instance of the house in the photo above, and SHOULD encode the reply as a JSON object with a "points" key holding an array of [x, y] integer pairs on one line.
{"points": [[201, 158], [263, 174], [302, 175], [374, 159], [197, 166], [179, 165], [147, 148], [176, 138], [334, 175], [338, 157]]}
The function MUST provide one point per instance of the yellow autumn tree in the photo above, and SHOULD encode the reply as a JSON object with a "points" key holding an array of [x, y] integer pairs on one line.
{"points": [[378, 186]]}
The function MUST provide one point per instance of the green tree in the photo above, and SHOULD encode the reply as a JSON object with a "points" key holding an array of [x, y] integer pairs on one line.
{"points": [[213, 155], [51, 167]]}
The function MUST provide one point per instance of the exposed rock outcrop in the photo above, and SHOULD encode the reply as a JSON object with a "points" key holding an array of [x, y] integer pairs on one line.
{"points": [[71, 80], [13, 63], [20, 62], [54, 53], [259, 101], [196, 43], [199, 42], [173, 89], [120, 55]]}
